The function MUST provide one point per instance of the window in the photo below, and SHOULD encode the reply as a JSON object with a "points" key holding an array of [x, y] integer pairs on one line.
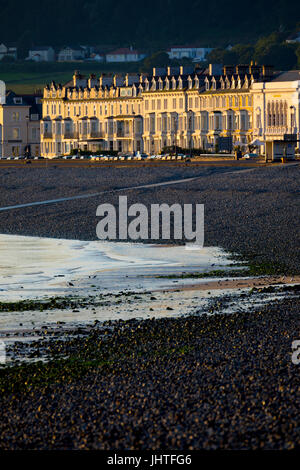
{"points": [[153, 105], [16, 133], [180, 103], [166, 104], [158, 104], [16, 116], [146, 105], [174, 103], [34, 133], [18, 100]]}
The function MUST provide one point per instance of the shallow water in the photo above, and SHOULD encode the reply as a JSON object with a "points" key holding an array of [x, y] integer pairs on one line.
{"points": [[120, 279], [32, 267]]}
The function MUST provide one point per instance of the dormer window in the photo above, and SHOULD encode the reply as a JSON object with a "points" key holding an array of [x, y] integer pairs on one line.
{"points": [[173, 83], [206, 85], [190, 83], [18, 100], [196, 82], [160, 84], [214, 84], [153, 87], [167, 87]]}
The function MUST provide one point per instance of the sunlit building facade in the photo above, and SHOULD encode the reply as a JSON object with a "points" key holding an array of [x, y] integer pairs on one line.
{"points": [[175, 106]]}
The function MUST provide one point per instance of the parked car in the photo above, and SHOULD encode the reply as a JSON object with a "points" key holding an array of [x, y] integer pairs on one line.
{"points": [[249, 155]]}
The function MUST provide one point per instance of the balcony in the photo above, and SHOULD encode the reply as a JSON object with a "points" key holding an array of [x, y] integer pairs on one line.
{"points": [[70, 135], [276, 130], [95, 134], [47, 135]]}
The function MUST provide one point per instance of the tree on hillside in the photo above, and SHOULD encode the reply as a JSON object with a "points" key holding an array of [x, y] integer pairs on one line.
{"points": [[158, 59], [297, 52], [222, 56], [282, 56], [244, 52]]}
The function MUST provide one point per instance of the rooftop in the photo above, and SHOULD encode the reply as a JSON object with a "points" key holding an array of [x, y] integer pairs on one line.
{"points": [[289, 76], [123, 50]]}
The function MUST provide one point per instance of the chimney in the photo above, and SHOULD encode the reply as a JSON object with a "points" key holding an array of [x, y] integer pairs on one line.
{"points": [[159, 71], [79, 80], [130, 79], [118, 80], [228, 69], [173, 71], [76, 77], [105, 80], [214, 69], [92, 81], [267, 71], [241, 69], [186, 70]]}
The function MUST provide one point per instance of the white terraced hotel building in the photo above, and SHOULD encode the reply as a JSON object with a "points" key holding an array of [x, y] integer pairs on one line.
{"points": [[182, 106]]}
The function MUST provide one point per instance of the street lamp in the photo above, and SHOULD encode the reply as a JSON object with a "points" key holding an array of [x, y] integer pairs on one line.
{"points": [[78, 149], [27, 151], [190, 117], [175, 133]]}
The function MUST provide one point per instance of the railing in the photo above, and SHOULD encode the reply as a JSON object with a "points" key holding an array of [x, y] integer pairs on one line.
{"points": [[70, 135], [95, 134], [47, 135], [277, 130], [124, 134]]}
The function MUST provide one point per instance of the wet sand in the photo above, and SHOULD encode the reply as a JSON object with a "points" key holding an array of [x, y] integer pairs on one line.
{"points": [[249, 283]]}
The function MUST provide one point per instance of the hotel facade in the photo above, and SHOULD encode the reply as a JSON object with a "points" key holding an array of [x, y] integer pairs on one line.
{"points": [[175, 106]]}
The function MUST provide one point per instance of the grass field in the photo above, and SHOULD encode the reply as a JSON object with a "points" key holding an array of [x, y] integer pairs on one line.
{"points": [[27, 77]]}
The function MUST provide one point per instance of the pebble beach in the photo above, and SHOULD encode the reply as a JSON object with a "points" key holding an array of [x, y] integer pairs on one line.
{"points": [[206, 380]]}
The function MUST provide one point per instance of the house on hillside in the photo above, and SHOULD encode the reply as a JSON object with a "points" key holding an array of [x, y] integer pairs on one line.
{"points": [[125, 54], [41, 54], [8, 51], [71, 54], [293, 38], [195, 53]]}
